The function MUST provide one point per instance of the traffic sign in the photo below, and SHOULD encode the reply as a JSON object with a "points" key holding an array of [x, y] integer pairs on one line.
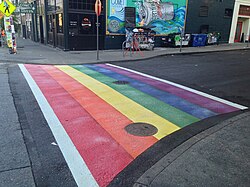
{"points": [[98, 7], [7, 8]]}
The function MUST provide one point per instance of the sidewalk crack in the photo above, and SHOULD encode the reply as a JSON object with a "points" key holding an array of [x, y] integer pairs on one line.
{"points": [[1, 171]]}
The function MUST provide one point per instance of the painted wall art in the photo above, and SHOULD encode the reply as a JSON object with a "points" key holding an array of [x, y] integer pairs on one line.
{"points": [[163, 16]]}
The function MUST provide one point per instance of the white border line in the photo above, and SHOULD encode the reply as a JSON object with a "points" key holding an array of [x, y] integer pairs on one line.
{"points": [[184, 88], [78, 167]]}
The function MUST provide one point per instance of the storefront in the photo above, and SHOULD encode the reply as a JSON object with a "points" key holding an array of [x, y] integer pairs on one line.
{"points": [[240, 29], [71, 24], [164, 17], [82, 25]]}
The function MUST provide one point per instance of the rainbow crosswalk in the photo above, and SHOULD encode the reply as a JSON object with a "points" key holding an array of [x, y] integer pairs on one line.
{"points": [[87, 113]]}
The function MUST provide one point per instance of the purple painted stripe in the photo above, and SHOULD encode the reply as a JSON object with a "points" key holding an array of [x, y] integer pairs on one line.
{"points": [[205, 102]]}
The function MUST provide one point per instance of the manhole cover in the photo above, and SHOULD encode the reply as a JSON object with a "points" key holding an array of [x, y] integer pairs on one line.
{"points": [[121, 82], [141, 129]]}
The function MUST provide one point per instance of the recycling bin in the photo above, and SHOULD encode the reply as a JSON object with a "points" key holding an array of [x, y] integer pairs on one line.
{"points": [[199, 40]]}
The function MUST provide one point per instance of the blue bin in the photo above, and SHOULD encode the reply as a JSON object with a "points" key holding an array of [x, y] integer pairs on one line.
{"points": [[199, 40]]}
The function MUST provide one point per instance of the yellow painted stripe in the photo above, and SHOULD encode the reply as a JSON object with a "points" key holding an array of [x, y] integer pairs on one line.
{"points": [[126, 106]]}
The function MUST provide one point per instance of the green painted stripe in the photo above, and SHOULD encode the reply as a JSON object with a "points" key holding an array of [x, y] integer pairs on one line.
{"points": [[162, 109]]}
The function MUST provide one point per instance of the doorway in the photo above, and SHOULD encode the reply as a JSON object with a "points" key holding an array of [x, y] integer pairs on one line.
{"points": [[54, 29], [41, 29], [52, 40], [238, 32]]}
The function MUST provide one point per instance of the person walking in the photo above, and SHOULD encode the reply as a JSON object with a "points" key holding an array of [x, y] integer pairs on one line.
{"points": [[2, 37]]}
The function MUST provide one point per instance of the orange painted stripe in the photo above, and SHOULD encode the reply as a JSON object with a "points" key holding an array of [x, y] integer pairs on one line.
{"points": [[108, 117], [104, 157]]}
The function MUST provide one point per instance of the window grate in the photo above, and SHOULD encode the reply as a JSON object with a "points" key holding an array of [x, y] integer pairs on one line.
{"points": [[204, 11]]}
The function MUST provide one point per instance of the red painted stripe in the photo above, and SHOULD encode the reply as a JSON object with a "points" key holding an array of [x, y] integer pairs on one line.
{"points": [[108, 117], [102, 154]]}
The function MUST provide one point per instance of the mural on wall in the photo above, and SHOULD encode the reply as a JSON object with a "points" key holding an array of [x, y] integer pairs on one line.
{"points": [[116, 16], [164, 16]]}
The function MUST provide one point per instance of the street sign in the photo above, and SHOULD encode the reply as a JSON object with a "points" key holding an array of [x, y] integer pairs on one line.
{"points": [[7, 8], [98, 7], [22, 4], [28, 11], [25, 8]]}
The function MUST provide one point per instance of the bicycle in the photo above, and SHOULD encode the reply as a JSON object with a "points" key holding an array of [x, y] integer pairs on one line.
{"points": [[131, 44]]}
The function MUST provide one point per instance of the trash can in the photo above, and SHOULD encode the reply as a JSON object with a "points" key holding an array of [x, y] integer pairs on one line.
{"points": [[199, 40], [184, 41], [169, 40], [211, 39]]}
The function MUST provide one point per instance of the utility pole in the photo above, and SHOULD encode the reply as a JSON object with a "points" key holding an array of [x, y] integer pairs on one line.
{"points": [[98, 6], [97, 37], [182, 35]]}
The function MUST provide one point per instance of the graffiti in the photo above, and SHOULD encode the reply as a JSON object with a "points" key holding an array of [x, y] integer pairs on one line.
{"points": [[117, 8], [117, 2], [149, 11], [114, 26], [165, 17]]}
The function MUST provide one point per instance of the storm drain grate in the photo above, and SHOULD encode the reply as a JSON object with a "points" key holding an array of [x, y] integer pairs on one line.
{"points": [[141, 129], [120, 82]]}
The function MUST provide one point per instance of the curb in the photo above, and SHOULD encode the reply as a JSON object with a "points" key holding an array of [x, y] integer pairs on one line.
{"points": [[131, 174], [134, 59], [178, 53], [150, 175]]}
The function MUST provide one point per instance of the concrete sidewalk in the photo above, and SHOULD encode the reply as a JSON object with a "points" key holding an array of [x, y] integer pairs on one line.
{"points": [[35, 53], [15, 166], [219, 156], [213, 152]]}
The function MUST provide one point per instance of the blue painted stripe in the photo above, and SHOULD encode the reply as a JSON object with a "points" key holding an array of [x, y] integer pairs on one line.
{"points": [[166, 97]]}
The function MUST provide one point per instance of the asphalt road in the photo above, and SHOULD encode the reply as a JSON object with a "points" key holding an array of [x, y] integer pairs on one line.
{"points": [[223, 74]]}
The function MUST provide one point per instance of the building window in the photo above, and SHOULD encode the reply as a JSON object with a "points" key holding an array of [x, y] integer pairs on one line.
{"points": [[51, 5], [203, 11], [59, 5], [228, 12], [59, 18], [50, 18], [244, 10], [82, 4]]}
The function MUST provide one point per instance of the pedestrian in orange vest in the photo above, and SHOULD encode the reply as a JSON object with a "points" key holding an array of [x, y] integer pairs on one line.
{"points": [[3, 33], [2, 37]]}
